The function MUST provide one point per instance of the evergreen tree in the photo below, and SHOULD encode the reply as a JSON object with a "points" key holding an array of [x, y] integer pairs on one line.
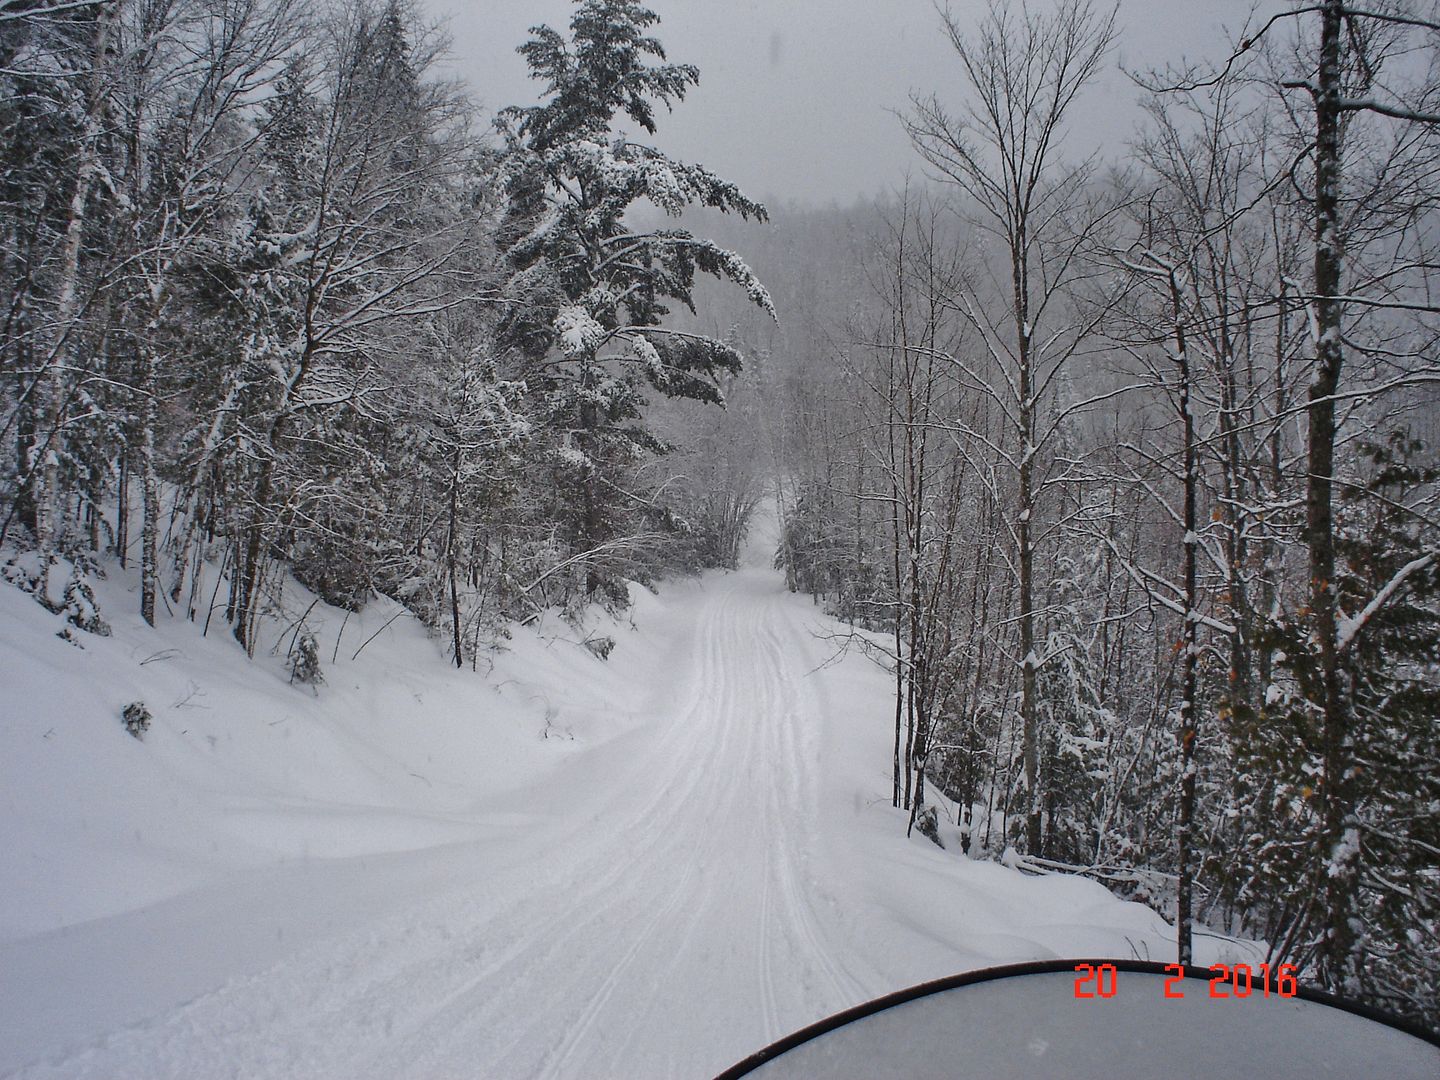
{"points": [[1388, 640], [1390, 643], [358, 238], [596, 288]]}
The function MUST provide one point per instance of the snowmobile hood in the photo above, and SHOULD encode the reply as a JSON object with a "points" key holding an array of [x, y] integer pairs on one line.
{"points": [[1102, 1019]]}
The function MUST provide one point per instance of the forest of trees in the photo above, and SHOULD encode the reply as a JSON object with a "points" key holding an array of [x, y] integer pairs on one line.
{"points": [[1124, 466], [275, 295]]}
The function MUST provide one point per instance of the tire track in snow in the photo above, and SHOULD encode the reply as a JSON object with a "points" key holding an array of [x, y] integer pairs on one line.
{"points": [[770, 1009], [672, 846], [566, 936], [564, 1054], [796, 811], [732, 758]]}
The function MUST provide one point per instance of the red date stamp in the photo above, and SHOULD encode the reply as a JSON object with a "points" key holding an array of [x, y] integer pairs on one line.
{"points": [[1237, 981]]}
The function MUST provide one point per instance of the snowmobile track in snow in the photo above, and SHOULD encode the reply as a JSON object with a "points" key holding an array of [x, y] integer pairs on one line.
{"points": [[665, 927]]}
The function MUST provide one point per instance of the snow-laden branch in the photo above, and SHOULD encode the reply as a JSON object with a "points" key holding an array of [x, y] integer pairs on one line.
{"points": [[1147, 579], [1350, 627], [599, 551], [1395, 111], [11, 10]]}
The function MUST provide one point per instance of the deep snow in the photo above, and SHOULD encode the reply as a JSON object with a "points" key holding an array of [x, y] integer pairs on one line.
{"points": [[562, 866]]}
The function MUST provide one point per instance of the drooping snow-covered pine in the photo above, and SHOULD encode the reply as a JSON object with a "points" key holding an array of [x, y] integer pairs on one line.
{"points": [[592, 290]]}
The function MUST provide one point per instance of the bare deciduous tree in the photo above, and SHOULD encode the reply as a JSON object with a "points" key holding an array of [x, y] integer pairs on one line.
{"points": [[1004, 153]]}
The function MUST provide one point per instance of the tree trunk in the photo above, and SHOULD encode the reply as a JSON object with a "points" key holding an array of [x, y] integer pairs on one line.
{"points": [[1190, 659], [122, 512], [902, 764], [1025, 555], [249, 568], [1341, 835], [42, 462], [149, 486], [450, 559]]}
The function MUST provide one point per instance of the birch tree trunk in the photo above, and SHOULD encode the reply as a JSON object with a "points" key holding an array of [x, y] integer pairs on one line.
{"points": [[42, 462], [149, 481]]}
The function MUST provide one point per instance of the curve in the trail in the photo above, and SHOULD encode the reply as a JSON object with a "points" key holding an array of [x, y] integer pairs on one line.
{"points": [[667, 928]]}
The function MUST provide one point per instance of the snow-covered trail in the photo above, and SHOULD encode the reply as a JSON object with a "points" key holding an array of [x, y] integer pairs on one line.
{"points": [[664, 928], [674, 929], [682, 906], [659, 904]]}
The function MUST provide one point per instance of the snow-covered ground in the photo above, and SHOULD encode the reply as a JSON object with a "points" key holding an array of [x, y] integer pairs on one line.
{"points": [[647, 866]]}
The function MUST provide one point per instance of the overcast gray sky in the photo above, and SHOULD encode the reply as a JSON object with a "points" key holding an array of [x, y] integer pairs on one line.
{"points": [[796, 97]]}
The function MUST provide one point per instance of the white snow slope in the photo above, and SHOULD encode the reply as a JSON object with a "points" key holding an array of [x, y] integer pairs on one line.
{"points": [[646, 867]]}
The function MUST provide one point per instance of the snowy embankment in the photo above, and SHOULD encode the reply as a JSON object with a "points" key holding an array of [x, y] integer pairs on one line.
{"points": [[646, 866]]}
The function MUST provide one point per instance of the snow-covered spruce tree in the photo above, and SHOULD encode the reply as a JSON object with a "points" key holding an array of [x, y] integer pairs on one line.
{"points": [[593, 290], [1388, 641], [461, 488]]}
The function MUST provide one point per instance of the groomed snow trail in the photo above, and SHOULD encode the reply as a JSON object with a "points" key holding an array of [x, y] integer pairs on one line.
{"points": [[710, 863], [666, 928]]}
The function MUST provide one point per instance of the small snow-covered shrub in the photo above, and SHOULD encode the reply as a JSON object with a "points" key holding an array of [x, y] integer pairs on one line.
{"points": [[80, 609], [137, 719], [28, 572], [305, 660], [601, 647], [927, 824], [22, 571]]}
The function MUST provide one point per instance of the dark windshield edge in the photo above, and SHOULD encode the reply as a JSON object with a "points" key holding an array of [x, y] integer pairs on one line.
{"points": [[1047, 967]]}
